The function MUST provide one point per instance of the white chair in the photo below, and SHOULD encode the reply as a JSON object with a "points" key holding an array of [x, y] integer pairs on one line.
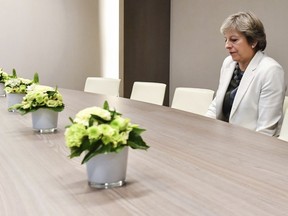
{"points": [[195, 100], [284, 128], [285, 104], [101, 85], [150, 92]]}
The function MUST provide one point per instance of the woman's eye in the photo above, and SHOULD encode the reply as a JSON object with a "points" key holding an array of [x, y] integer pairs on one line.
{"points": [[232, 40]]}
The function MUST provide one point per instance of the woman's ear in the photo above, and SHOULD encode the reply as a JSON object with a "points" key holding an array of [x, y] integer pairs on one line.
{"points": [[254, 44]]}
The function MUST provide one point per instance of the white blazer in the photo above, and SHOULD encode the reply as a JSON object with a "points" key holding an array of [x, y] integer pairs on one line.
{"points": [[259, 99]]}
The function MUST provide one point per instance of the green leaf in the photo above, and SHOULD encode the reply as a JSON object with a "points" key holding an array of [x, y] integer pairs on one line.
{"points": [[15, 106], [36, 78], [138, 145], [71, 119], [56, 109], [119, 149], [138, 131], [106, 105], [94, 150], [77, 151], [136, 142], [51, 93], [74, 152], [14, 74], [33, 109]]}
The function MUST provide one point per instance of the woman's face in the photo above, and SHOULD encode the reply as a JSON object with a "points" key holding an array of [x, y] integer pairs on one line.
{"points": [[239, 48]]}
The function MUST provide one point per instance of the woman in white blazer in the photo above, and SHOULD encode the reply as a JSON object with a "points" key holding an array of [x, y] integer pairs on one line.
{"points": [[252, 85]]}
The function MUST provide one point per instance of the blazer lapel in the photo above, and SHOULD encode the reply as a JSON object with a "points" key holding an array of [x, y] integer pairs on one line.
{"points": [[246, 80], [226, 78]]}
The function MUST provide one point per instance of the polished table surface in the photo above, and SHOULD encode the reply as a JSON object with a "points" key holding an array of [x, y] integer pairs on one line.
{"points": [[195, 166]]}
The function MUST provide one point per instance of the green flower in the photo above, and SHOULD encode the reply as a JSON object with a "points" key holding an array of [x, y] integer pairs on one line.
{"points": [[8, 89], [26, 105], [74, 135], [123, 137], [39, 97], [108, 132], [120, 123], [94, 133], [52, 103], [22, 88]]}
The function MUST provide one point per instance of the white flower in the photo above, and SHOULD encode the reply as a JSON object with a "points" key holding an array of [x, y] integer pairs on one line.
{"points": [[26, 81], [84, 115], [36, 87], [17, 85], [13, 82]]}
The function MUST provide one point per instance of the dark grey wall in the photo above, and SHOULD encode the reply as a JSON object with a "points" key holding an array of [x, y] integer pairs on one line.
{"points": [[146, 43]]}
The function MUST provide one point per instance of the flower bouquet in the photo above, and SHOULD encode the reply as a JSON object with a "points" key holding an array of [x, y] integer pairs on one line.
{"points": [[3, 78], [104, 135], [39, 96], [96, 130], [19, 85], [16, 88], [45, 103]]}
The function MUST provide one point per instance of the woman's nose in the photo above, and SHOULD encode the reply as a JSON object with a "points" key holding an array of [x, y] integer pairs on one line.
{"points": [[227, 44]]}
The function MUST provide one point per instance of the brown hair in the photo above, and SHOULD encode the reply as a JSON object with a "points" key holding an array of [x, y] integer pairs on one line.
{"points": [[249, 25]]}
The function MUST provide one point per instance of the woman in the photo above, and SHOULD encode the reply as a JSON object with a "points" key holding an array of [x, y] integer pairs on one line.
{"points": [[252, 86]]}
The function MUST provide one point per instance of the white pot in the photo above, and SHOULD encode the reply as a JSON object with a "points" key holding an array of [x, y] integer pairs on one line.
{"points": [[45, 120], [14, 98], [2, 91], [107, 170]]}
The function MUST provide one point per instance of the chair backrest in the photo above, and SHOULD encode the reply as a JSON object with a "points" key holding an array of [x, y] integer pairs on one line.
{"points": [[195, 100], [150, 92], [101, 85], [285, 104], [284, 128]]}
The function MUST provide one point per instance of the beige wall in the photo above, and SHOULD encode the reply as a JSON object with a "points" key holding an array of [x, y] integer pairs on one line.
{"points": [[197, 47], [59, 39], [56, 38]]}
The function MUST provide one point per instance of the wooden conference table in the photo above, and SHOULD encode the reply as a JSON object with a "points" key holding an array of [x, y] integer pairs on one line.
{"points": [[195, 166]]}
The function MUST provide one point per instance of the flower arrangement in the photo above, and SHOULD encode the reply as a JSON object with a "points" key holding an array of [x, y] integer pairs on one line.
{"points": [[39, 96], [96, 130], [19, 85], [3, 76]]}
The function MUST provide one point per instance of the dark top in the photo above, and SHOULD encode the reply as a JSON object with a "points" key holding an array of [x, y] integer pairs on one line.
{"points": [[231, 92]]}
